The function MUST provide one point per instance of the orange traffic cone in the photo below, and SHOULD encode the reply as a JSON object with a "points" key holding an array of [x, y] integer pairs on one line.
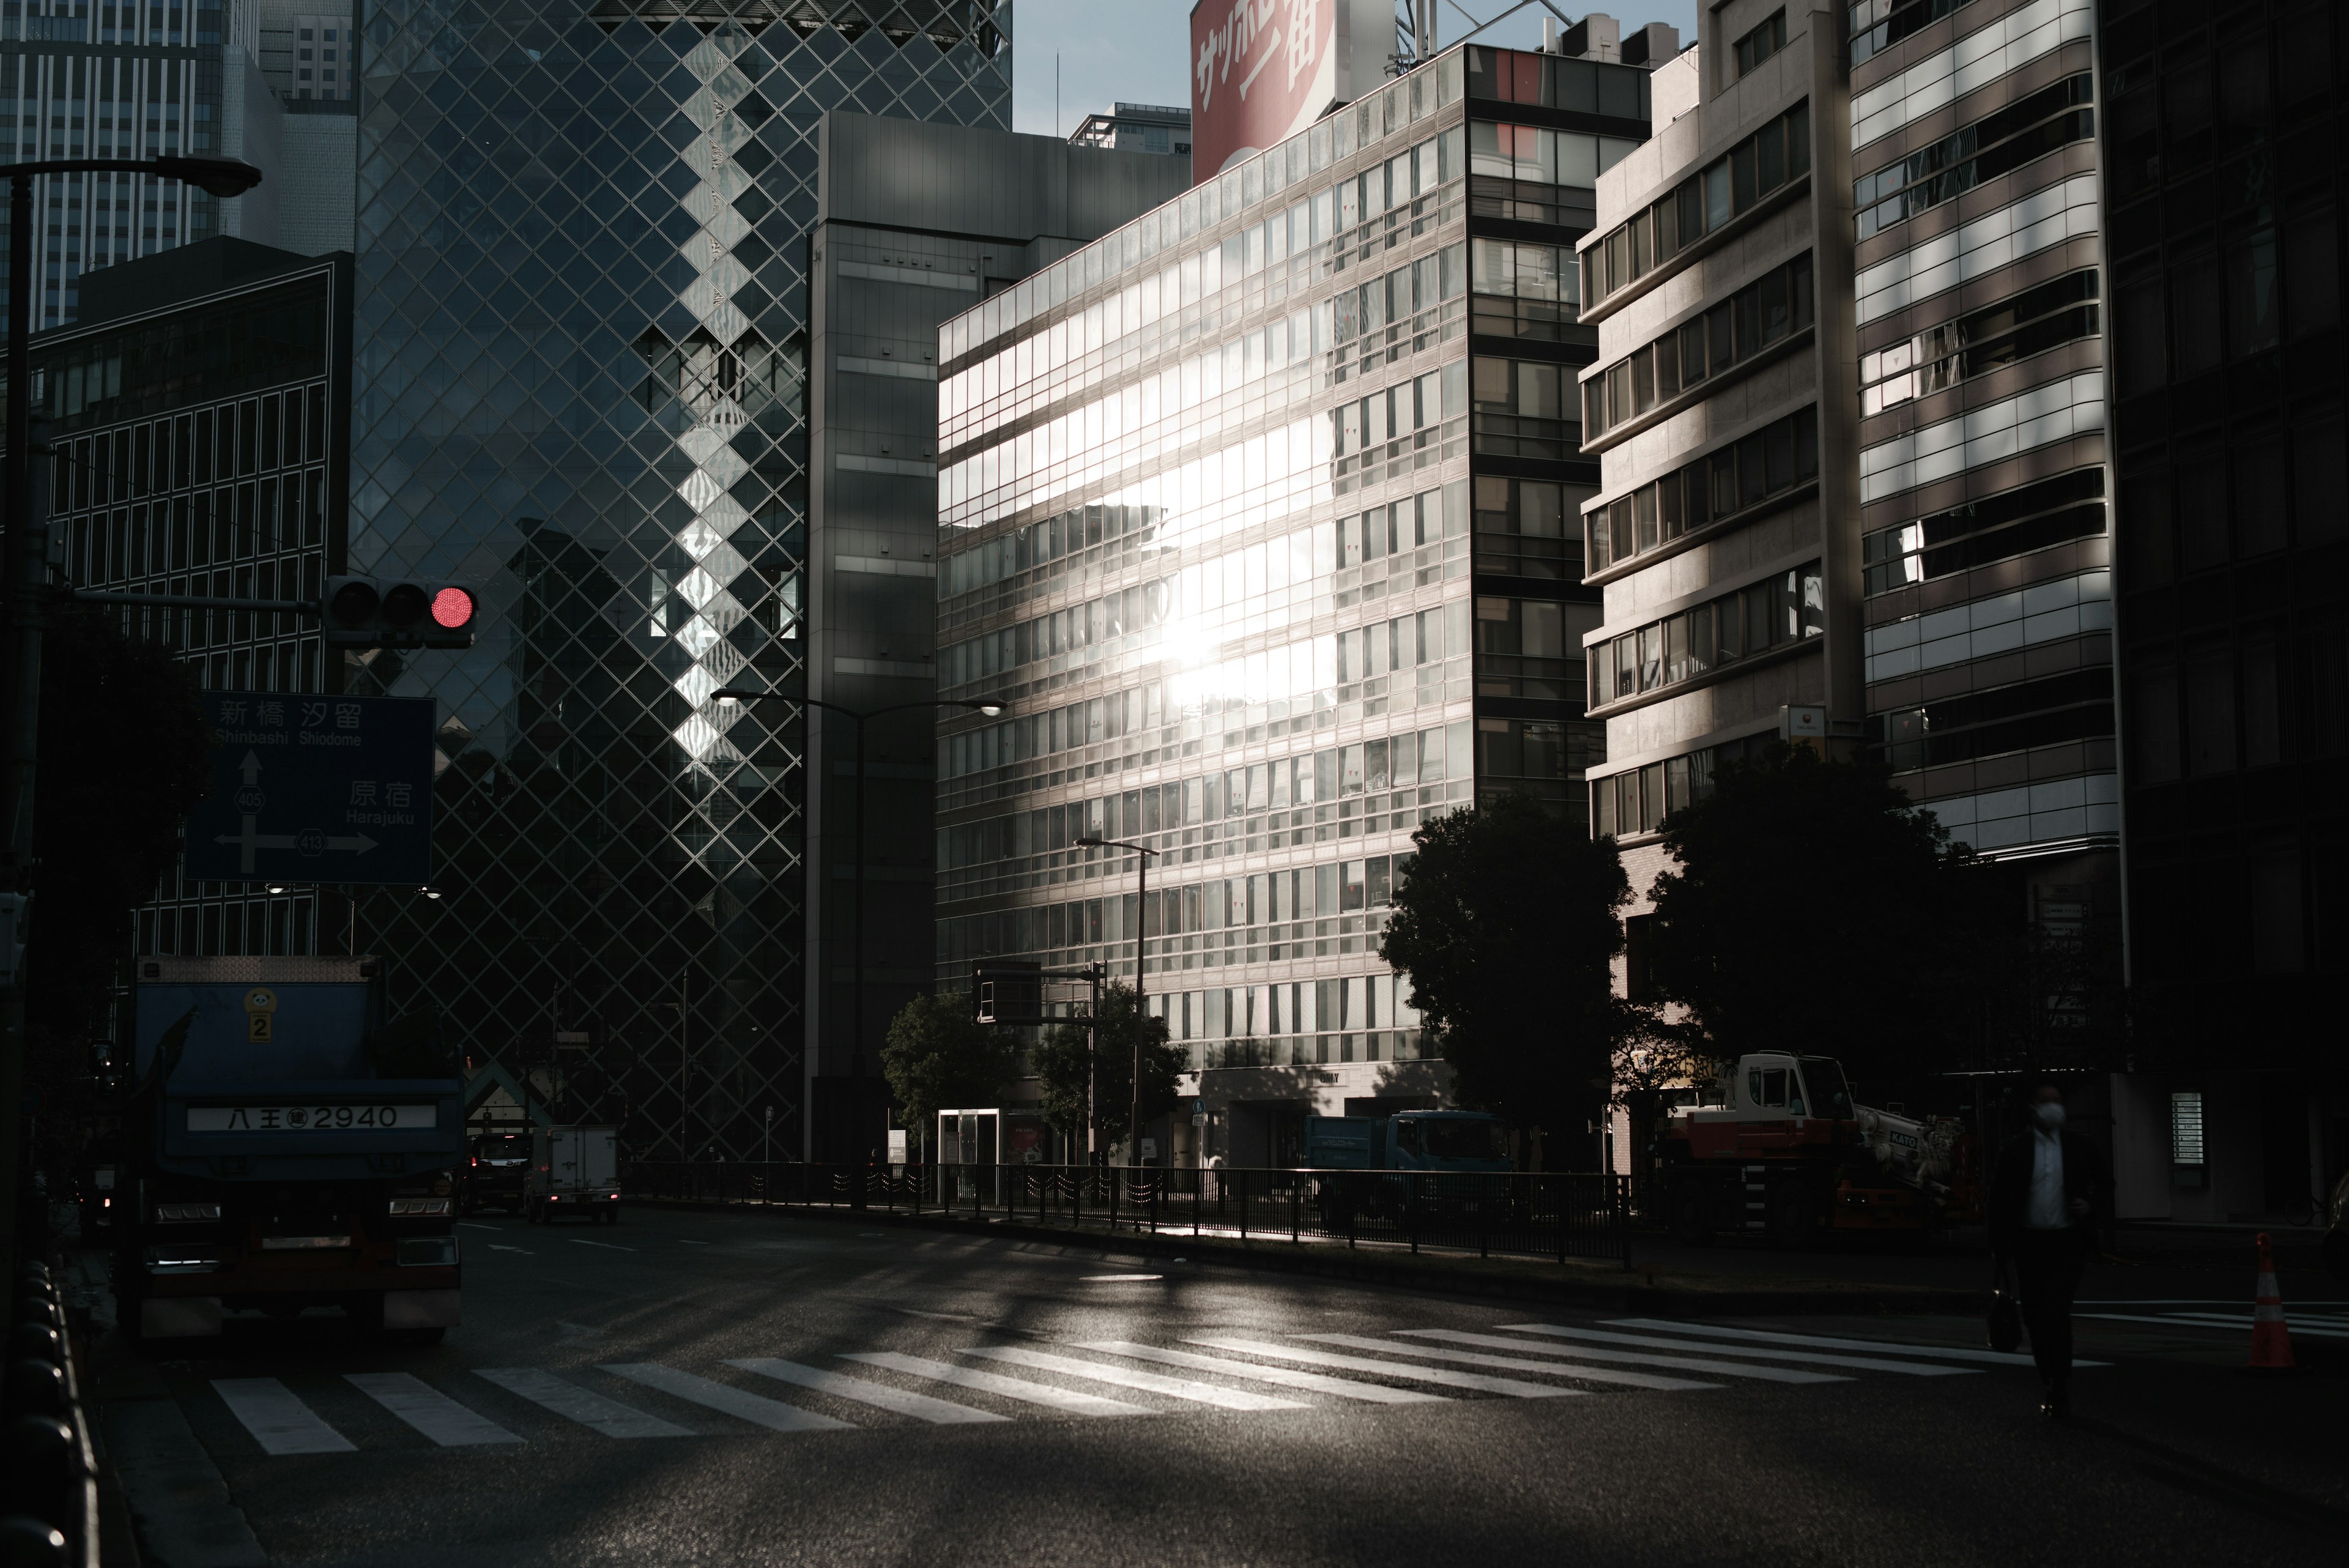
{"points": [[2271, 1337]]}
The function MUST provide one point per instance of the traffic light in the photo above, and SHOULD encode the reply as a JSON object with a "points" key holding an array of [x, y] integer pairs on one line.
{"points": [[385, 612]]}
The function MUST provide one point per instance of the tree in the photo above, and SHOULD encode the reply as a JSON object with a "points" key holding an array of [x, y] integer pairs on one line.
{"points": [[1064, 1063], [938, 1056], [1812, 909], [1507, 928], [123, 753]]}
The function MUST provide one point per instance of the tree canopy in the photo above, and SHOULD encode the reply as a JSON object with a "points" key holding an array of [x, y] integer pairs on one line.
{"points": [[940, 1056], [1064, 1064], [1812, 907], [1507, 928]]}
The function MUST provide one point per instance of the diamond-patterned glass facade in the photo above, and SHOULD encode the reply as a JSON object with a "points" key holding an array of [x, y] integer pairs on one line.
{"points": [[580, 356]]}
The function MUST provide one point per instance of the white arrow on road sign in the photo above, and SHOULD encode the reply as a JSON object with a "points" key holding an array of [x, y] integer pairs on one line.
{"points": [[310, 841]]}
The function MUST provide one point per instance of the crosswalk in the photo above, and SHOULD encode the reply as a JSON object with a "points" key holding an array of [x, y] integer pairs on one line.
{"points": [[2328, 1320], [991, 1385]]}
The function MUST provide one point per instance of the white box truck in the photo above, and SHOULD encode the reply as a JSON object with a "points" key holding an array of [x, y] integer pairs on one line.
{"points": [[573, 1170]]}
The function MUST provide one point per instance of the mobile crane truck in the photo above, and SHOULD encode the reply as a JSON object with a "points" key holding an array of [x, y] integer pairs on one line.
{"points": [[1786, 1153], [285, 1146]]}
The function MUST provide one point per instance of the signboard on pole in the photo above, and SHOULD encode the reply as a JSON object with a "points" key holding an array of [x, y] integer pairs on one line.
{"points": [[311, 788]]}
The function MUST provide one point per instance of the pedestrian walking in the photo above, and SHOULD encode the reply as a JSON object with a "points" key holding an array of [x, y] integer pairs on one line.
{"points": [[2042, 1204]]}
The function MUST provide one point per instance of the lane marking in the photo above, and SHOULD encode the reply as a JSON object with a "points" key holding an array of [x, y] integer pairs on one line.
{"points": [[278, 1421], [502, 1247], [1818, 1341], [429, 1411], [690, 1242], [1657, 1342], [921, 1406], [2299, 1323], [2230, 1325], [477, 1225], [1062, 1399], [607, 1246], [771, 1414], [1585, 1374], [574, 1403], [1287, 1377], [1126, 1377], [1116, 1279], [1516, 1388]]}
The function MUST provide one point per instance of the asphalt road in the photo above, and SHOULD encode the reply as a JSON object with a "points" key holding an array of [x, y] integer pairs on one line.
{"points": [[698, 1388]]}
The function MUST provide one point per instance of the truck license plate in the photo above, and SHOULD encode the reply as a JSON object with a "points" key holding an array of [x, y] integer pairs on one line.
{"points": [[308, 1118]]}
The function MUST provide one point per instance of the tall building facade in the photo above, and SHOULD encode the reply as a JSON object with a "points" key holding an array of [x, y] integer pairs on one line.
{"points": [[916, 223], [582, 251], [200, 411], [2224, 177], [134, 80], [1260, 513], [1137, 128]]}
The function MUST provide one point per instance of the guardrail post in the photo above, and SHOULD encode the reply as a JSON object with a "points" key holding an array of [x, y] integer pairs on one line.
{"points": [[1198, 1189], [1623, 1219], [1243, 1176], [1296, 1210], [1411, 1207]]}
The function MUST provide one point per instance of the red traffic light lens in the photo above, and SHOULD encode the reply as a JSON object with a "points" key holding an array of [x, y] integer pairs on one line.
{"points": [[452, 610], [352, 604]]}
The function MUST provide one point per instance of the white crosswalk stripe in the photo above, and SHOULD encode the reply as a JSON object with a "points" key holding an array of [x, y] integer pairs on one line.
{"points": [[1752, 1352], [574, 1403], [429, 1411], [1128, 1378], [1585, 1374], [1516, 1388], [2208, 1322], [278, 1421], [771, 1414], [1819, 1341], [1066, 1400], [864, 1391], [1286, 1376]]}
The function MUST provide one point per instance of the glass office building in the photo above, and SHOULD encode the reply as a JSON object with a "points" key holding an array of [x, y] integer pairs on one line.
{"points": [[1259, 512], [583, 240]]}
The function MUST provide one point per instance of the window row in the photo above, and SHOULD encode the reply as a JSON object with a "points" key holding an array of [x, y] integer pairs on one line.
{"points": [[1528, 528], [1521, 290], [2028, 129], [1780, 151], [1543, 156], [2060, 311], [1105, 325], [1399, 410], [264, 339], [1389, 763], [1310, 669], [1639, 801], [266, 517], [2265, 284], [1399, 295], [2222, 702], [1774, 306], [2205, 502], [1293, 162], [1773, 613], [1525, 408], [1878, 24], [1762, 43], [1586, 87], [1995, 528], [256, 436], [1771, 461], [1526, 647], [1040, 544], [2074, 706]]}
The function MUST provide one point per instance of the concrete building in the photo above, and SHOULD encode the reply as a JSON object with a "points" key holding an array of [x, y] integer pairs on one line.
{"points": [[1261, 513], [199, 410], [2232, 505], [915, 223]]}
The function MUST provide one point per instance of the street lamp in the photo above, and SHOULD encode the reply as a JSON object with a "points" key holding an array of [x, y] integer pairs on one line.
{"points": [[1141, 961], [23, 580], [726, 697]]}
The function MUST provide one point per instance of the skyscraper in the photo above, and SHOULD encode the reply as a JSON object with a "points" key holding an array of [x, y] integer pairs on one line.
{"points": [[582, 297], [1260, 511]]}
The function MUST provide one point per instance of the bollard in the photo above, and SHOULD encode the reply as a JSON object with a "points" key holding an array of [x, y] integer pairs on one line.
{"points": [[36, 1388], [37, 1342], [43, 1474]]}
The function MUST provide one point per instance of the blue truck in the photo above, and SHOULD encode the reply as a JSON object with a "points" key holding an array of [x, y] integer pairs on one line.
{"points": [[286, 1146], [1408, 1140]]}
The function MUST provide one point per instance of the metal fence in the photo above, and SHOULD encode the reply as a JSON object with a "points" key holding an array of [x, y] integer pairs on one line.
{"points": [[1557, 1215]]}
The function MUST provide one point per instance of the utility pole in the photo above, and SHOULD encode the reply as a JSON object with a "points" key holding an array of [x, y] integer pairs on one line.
{"points": [[1141, 954]]}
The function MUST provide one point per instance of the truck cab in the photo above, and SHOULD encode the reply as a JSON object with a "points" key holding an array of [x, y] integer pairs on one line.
{"points": [[1772, 1103]]}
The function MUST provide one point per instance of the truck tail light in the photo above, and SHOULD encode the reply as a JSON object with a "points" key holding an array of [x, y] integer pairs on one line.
{"points": [[418, 1207], [185, 1213]]}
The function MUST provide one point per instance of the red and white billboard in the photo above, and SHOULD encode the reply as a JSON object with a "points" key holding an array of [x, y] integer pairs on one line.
{"points": [[1261, 71]]}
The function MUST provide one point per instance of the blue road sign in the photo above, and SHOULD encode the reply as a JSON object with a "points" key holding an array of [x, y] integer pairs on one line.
{"points": [[308, 788]]}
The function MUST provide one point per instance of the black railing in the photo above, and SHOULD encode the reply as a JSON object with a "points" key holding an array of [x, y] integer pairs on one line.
{"points": [[1557, 1215]]}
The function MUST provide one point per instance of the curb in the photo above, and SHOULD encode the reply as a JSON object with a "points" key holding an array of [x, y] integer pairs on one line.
{"points": [[1623, 1291]]}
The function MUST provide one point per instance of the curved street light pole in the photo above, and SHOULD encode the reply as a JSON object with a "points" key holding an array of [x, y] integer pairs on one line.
{"points": [[1140, 951], [23, 568], [727, 697]]}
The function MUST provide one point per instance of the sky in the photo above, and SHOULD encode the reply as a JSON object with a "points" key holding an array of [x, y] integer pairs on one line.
{"points": [[1137, 51]]}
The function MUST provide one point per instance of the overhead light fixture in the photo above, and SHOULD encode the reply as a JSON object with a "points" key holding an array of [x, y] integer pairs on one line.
{"points": [[1093, 841], [429, 892]]}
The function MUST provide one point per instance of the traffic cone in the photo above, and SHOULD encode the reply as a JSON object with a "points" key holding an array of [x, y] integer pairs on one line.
{"points": [[2271, 1337]]}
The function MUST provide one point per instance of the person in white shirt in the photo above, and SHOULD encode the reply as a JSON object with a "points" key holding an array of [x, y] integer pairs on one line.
{"points": [[2042, 1204]]}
